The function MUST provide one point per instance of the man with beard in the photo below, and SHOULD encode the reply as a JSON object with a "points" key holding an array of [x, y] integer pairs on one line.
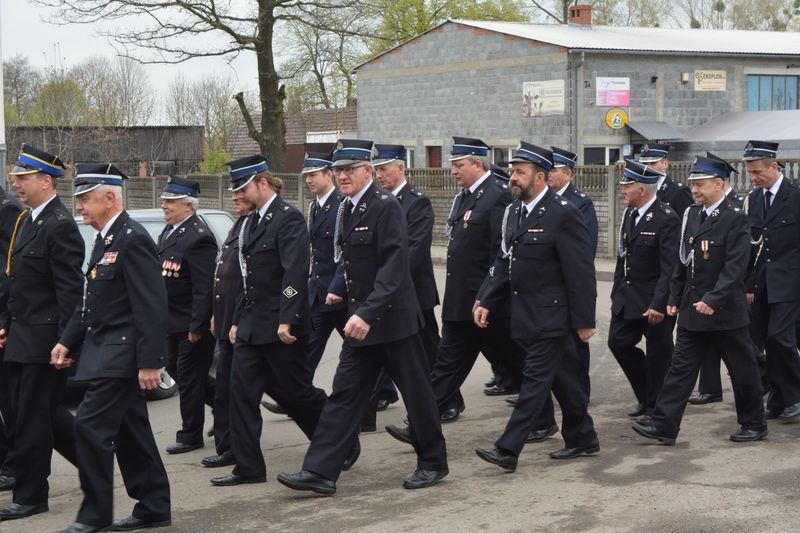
{"points": [[551, 290]]}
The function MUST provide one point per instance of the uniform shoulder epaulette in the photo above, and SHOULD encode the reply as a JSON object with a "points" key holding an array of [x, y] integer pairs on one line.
{"points": [[665, 208], [5, 201], [679, 184], [416, 192], [61, 214]]}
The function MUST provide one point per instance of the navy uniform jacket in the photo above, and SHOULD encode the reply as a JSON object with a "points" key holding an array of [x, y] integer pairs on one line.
{"points": [[227, 282], [676, 195], [189, 252], [276, 254], [419, 214], [549, 277], [9, 211], [736, 199], [778, 264], [642, 275], [376, 269], [45, 283], [586, 206], [321, 278], [472, 249], [122, 325], [716, 278]]}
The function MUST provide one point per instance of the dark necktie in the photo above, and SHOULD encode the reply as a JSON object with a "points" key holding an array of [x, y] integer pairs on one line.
{"points": [[314, 211], [634, 217], [97, 248], [466, 194], [348, 210], [523, 214], [703, 216], [164, 234], [254, 223], [767, 200]]}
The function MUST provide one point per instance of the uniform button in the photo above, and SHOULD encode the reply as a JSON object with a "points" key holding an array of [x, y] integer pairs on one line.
{"points": [[124, 338], [89, 328], [297, 315], [317, 276], [516, 293], [449, 274], [769, 260], [352, 300], [217, 296], [628, 282], [13, 318], [216, 279], [227, 246]]}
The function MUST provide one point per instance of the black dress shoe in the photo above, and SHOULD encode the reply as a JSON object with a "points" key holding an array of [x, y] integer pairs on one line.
{"points": [[636, 410], [384, 404], [513, 400], [131, 523], [538, 435], [305, 480], [749, 435], [352, 457], [18, 510], [273, 407], [491, 381], [232, 479], [180, 447], [77, 527], [651, 432], [452, 414], [703, 397], [498, 457], [790, 413], [497, 390], [577, 451], [7, 482], [223, 459], [401, 434], [422, 478]]}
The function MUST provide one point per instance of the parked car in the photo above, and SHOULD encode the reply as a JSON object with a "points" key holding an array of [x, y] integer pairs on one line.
{"points": [[219, 222]]}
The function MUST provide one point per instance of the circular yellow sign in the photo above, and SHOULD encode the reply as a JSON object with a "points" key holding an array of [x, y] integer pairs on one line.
{"points": [[616, 118]]}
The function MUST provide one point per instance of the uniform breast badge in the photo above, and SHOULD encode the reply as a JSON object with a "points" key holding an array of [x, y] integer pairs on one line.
{"points": [[704, 247]]}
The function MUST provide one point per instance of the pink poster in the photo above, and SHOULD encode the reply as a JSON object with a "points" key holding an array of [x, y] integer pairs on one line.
{"points": [[613, 92]]}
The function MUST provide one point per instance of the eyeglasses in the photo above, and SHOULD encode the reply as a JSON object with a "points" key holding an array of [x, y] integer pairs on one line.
{"points": [[348, 170]]}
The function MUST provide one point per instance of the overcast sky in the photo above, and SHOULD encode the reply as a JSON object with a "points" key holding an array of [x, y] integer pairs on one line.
{"points": [[24, 29]]}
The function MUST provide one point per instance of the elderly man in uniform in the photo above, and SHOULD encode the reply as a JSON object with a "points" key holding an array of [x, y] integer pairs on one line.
{"points": [[707, 294], [271, 321], [648, 250], [187, 250], [545, 273], [670, 192], [9, 212], [42, 288], [227, 291], [390, 167], [473, 230], [119, 330], [382, 331], [709, 389], [773, 284]]}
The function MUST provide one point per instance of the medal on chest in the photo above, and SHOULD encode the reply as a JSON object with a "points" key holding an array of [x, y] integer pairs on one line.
{"points": [[704, 247], [467, 215]]}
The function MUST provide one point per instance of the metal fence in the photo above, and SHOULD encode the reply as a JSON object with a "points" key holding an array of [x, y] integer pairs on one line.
{"points": [[598, 182]]}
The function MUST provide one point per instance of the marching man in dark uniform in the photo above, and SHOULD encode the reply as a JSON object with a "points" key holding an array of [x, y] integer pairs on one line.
{"points": [[42, 288], [545, 273], [670, 192], [119, 329], [9, 212], [390, 166], [187, 250], [707, 293], [382, 331], [773, 284], [227, 291], [271, 322], [473, 230], [710, 384], [648, 249]]}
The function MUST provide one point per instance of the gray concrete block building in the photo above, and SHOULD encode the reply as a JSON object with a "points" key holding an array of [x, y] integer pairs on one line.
{"points": [[599, 91]]}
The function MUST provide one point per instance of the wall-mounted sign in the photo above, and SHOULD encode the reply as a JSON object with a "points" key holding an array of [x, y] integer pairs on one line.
{"points": [[616, 118], [709, 80], [543, 98], [613, 92]]}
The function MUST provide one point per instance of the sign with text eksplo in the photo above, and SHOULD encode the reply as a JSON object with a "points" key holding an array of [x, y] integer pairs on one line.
{"points": [[613, 92], [710, 80]]}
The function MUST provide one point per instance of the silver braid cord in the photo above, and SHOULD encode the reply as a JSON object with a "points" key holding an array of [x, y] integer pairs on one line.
{"points": [[242, 261], [682, 255], [337, 249], [310, 210], [448, 227], [505, 246], [621, 250], [760, 241]]}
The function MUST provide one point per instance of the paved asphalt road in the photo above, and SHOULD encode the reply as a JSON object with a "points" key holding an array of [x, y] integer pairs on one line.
{"points": [[704, 483]]}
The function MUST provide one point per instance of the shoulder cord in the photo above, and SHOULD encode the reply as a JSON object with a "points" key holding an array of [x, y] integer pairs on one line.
{"points": [[242, 260], [448, 226], [760, 241]]}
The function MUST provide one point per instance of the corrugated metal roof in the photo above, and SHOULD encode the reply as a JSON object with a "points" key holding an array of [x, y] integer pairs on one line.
{"points": [[655, 130], [742, 126]]}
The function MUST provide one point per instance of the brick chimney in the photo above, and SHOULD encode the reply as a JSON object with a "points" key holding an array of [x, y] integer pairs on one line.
{"points": [[580, 15]]}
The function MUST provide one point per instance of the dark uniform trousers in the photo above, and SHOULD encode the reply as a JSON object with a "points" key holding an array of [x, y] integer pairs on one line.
{"points": [[690, 347], [222, 397], [714, 275], [323, 323], [283, 371], [356, 375], [48, 426], [189, 363], [112, 418], [6, 423]]}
